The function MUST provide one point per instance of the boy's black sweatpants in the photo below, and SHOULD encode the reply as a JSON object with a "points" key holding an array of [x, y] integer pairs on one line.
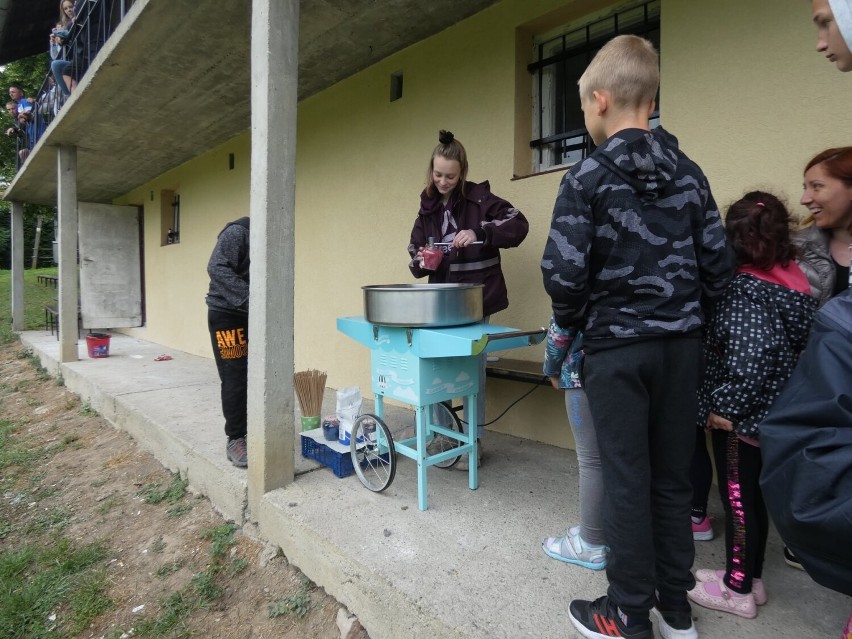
{"points": [[229, 337], [642, 396]]}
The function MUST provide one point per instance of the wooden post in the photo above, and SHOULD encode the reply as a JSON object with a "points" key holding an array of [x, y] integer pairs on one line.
{"points": [[39, 221], [18, 266]]}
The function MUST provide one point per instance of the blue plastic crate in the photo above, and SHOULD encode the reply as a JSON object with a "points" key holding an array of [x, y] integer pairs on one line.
{"points": [[340, 463]]}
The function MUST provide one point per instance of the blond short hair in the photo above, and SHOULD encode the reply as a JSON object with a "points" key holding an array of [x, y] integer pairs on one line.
{"points": [[628, 68]]}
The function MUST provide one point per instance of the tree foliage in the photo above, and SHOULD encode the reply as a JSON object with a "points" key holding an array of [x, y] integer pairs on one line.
{"points": [[30, 73], [45, 246]]}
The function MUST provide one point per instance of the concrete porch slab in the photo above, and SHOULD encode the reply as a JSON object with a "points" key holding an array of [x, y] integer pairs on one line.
{"points": [[469, 567]]}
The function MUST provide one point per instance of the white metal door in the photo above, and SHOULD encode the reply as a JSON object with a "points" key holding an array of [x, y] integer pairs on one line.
{"points": [[110, 271]]}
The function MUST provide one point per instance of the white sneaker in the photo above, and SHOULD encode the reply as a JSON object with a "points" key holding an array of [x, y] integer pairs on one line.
{"points": [[674, 625]]}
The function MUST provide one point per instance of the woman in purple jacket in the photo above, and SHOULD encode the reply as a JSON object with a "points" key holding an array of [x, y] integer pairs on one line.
{"points": [[473, 223]]}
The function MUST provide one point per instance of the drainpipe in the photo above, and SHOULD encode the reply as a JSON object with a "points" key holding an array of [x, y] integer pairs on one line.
{"points": [[17, 266], [271, 398], [68, 278]]}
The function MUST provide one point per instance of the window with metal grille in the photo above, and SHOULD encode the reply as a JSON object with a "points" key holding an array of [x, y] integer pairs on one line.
{"points": [[173, 236], [559, 132], [169, 217]]}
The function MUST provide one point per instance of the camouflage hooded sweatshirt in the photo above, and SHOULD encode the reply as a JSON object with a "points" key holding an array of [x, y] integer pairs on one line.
{"points": [[636, 243]]}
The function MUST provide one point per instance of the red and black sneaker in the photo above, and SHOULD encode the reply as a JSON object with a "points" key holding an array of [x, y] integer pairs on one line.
{"points": [[601, 619]]}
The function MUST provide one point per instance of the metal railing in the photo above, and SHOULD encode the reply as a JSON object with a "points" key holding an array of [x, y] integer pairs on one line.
{"points": [[94, 23]]}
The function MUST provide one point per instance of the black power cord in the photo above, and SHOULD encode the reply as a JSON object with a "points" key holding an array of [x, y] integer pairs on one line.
{"points": [[527, 394]]}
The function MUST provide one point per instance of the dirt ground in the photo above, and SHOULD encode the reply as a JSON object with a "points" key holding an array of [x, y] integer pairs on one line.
{"points": [[96, 479]]}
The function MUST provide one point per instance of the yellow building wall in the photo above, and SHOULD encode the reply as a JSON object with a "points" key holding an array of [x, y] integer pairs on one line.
{"points": [[362, 163], [747, 94], [742, 88], [211, 195]]}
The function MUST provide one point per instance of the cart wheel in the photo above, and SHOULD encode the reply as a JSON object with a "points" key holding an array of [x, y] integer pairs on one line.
{"points": [[373, 453], [443, 415]]}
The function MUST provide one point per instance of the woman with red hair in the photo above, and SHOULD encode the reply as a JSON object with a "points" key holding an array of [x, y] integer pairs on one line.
{"points": [[807, 436], [825, 245]]}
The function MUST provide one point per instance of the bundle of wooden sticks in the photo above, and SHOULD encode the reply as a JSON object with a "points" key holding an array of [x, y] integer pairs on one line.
{"points": [[310, 386]]}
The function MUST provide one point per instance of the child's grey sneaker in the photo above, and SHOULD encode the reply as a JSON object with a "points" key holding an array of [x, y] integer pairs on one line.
{"points": [[439, 444], [237, 452], [462, 464], [573, 550]]}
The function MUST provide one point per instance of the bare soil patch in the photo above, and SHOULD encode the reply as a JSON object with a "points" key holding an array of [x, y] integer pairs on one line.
{"points": [[91, 485]]}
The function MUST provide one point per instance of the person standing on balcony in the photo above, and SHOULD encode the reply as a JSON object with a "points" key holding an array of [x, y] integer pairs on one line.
{"points": [[61, 49], [26, 119], [12, 110], [24, 104], [47, 101], [227, 319], [18, 129]]}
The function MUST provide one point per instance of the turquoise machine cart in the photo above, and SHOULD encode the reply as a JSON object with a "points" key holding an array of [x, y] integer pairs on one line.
{"points": [[426, 368]]}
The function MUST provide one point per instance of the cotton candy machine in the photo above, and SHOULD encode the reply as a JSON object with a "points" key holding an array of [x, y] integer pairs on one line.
{"points": [[416, 305], [427, 367]]}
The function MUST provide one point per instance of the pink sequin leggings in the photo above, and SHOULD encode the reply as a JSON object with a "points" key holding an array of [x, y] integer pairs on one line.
{"points": [[738, 466]]}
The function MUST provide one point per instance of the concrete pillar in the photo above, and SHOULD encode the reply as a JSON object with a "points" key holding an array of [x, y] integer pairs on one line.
{"points": [[68, 277], [17, 266], [274, 76]]}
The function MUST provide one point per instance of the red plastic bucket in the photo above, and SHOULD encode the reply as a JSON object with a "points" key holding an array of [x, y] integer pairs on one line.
{"points": [[98, 344]]}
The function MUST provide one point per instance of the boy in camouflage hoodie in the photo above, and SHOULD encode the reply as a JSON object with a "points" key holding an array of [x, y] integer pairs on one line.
{"points": [[636, 246]]}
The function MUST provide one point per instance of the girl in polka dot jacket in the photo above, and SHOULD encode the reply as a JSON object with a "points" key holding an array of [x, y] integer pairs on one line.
{"points": [[754, 336]]}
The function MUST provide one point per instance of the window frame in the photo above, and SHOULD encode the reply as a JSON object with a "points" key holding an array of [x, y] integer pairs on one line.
{"points": [[563, 148], [169, 216]]}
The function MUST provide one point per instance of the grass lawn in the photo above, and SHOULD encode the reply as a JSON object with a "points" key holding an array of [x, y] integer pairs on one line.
{"points": [[36, 296]]}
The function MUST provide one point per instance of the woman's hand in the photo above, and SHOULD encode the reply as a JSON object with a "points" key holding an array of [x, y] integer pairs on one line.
{"points": [[719, 423], [463, 238], [554, 381]]}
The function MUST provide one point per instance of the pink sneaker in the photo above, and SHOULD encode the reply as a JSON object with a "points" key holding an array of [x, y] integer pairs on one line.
{"points": [[757, 589], [703, 530], [847, 633], [716, 596]]}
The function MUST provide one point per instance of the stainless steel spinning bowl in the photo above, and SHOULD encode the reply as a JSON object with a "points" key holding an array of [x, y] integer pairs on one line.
{"points": [[423, 305]]}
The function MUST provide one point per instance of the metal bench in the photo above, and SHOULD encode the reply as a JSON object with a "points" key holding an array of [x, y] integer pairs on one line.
{"points": [[517, 370], [51, 319], [48, 280]]}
